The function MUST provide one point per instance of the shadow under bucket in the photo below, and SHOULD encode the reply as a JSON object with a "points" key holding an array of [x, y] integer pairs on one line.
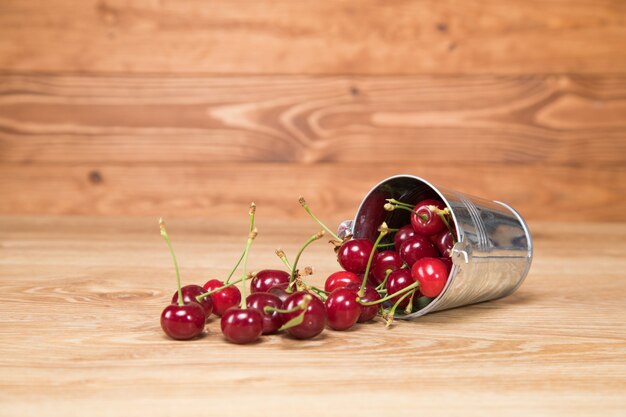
{"points": [[494, 249]]}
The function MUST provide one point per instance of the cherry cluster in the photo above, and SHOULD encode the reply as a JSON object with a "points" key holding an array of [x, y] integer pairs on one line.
{"points": [[377, 279]]}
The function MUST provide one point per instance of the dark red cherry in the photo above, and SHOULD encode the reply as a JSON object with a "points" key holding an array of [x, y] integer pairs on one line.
{"points": [[447, 262], [271, 320], [444, 242], [342, 308], [183, 322], [314, 316], [416, 248], [242, 325], [386, 260], [190, 292], [397, 281], [432, 274], [340, 279], [354, 254], [424, 221], [280, 291], [267, 278], [370, 294], [402, 235], [223, 299]]}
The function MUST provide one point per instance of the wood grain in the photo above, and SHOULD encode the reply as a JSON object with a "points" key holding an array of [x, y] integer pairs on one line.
{"points": [[221, 190], [170, 119], [313, 37], [80, 300]]}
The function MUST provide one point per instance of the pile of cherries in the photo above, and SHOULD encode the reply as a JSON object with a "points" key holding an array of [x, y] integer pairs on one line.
{"points": [[377, 279]]}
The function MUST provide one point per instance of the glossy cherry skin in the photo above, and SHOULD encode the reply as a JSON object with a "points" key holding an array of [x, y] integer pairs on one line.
{"points": [[242, 325], [223, 299], [272, 320], [444, 242], [370, 294], [340, 279], [314, 317], [267, 278], [417, 247], [190, 292], [386, 260], [447, 262], [183, 322], [397, 281], [432, 274], [342, 308], [354, 254], [432, 224], [280, 291], [402, 235]]}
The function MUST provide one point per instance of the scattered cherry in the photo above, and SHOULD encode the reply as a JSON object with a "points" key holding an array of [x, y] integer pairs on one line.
{"points": [[267, 278], [402, 235], [280, 291], [340, 279], [424, 220], [271, 320], [397, 281], [314, 317], [369, 295], [432, 274], [342, 308], [416, 248], [183, 322], [224, 298], [190, 292], [241, 325], [354, 254], [386, 260]]}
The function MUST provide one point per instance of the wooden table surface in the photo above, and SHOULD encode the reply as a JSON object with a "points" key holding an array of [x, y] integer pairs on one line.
{"points": [[79, 318]]}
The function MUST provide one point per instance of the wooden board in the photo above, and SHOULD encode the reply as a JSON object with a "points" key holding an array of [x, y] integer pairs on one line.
{"points": [[574, 120], [80, 301], [313, 37]]}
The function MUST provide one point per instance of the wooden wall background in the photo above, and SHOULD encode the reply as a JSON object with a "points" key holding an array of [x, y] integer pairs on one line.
{"points": [[194, 108]]}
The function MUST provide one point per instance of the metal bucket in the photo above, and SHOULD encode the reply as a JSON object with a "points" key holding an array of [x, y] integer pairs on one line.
{"points": [[494, 249]]}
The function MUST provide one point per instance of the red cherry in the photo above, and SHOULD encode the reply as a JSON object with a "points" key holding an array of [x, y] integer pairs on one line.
{"points": [[424, 221], [397, 281], [342, 308], [354, 254], [386, 260], [370, 295], [416, 248], [340, 279], [280, 291], [447, 262], [183, 322], [432, 274], [190, 292], [267, 278], [402, 235], [314, 316], [258, 301], [242, 325], [444, 242], [223, 299]]}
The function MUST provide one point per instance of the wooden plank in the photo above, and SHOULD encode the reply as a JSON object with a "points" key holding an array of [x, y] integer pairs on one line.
{"points": [[224, 190], [169, 119], [314, 37], [80, 300]]}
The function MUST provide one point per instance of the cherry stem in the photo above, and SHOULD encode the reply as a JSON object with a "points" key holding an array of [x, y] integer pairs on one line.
{"points": [[442, 215], [382, 284], [400, 203], [251, 236], [232, 272], [409, 307], [385, 245], [306, 208], [390, 296], [312, 239], [251, 228], [281, 254], [270, 309], [169, 245], [392, 207], [392, 312], [383, 230], [304, 304], [208, 293]]}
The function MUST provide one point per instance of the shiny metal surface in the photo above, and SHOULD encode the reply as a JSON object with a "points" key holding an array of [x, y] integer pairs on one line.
{"points": [[494, 249]]}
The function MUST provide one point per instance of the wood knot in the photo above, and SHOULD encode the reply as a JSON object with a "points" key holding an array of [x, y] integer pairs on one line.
{"points": [[95, 177]]}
